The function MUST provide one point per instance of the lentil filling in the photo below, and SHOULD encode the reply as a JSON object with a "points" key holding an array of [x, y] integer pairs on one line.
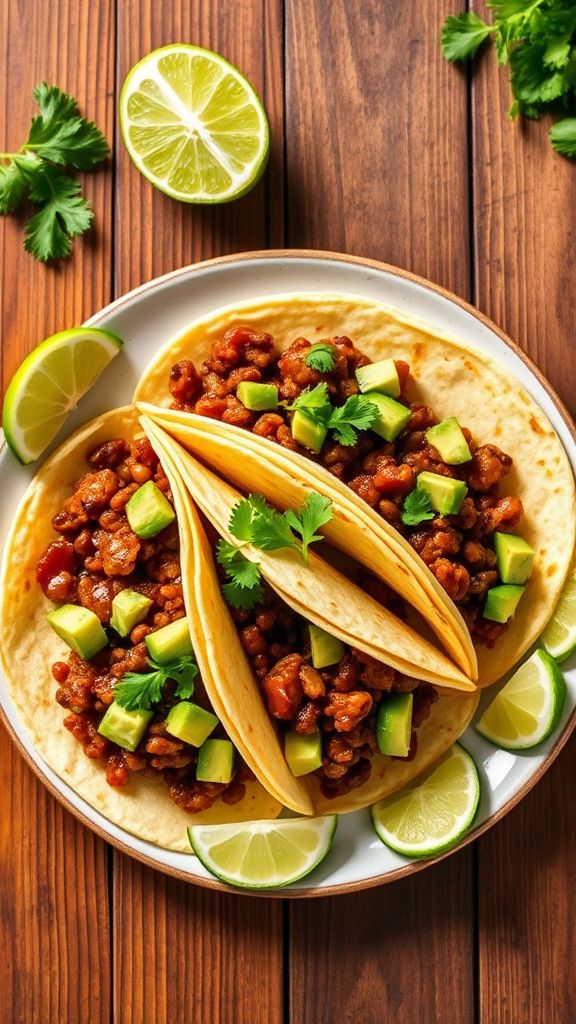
{"points": [[458, 549], [96, 556]]}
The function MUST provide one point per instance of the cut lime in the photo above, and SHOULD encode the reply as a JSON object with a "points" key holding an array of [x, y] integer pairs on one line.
{"points": [[193, 125], [559, 637], [263, 854], [431, 815], [528, 708], [49, 383]]}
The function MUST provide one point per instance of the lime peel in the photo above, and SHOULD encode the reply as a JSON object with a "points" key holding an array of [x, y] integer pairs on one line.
{"points": [[528, 708], [559, 637]]}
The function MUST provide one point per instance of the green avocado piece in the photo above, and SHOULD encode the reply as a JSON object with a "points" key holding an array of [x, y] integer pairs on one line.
{"points": [[326, 649], [171, 642], [215, 761], [306, 432], [126, 728], [80, 628], [394, 724], [501, 602], [392, 416], [446, 495], [149, 511], [303, 751], [190, 723], [258, 397], [514, 556], [381, 376], [449, 442], [128, 609]]}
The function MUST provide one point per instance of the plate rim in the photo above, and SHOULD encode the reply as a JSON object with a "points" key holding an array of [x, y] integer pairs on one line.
{"points": [[414, 867]]}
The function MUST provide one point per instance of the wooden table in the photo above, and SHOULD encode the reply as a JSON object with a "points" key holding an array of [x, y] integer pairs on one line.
{"points": [[378, 149]]}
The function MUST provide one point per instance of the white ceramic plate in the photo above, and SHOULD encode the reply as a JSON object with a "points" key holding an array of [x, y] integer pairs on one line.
{"points": [[149, 316]]}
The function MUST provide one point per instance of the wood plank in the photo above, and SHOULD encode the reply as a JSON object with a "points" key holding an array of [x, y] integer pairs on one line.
{"points": [[215, 958], [376, 125], [53, 872], [524, 227]]}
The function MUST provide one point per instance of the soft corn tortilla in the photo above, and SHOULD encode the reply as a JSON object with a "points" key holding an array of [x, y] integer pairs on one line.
{"points": [[30, 647], [454, 381]]}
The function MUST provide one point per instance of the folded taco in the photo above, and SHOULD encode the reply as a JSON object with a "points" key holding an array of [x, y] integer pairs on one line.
{"points": [[104, 653], [354, 719], [446, 478]]}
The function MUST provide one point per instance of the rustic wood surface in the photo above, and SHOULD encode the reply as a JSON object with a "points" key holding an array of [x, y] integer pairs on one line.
{"points": [[379, 149]]}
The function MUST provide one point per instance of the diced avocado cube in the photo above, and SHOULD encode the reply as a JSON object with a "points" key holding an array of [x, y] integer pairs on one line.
{"points": [[149, 511], [381, 376], [128, 609], [171, 642], [446, 495], [449, 442], [215, 761], [514, 556], [303, 751], [126, 728], [501, 602], [258, 397], [190, 723], [306, 432], [394, 724], [326, 649], [80, 628], [392, 416]]}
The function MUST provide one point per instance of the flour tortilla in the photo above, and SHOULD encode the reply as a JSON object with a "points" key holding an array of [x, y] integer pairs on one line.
{"points": [[30, 647], [454, 381]]}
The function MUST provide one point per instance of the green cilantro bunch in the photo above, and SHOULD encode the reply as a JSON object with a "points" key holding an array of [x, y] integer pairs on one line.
{"points": [[59, 139], [140, 691], [537, 40]]}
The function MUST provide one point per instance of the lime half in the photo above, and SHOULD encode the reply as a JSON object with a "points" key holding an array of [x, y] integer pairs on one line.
{"points": [[528, 708], [431, 815], [559, 637], [49, 383], [193, 125], [263, 854]]}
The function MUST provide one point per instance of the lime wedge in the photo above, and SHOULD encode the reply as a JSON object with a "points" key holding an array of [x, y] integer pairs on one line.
{"points": [[431, 815], [559, 637], [263, 854], [49, 383], [528, 708], [193, 125]]}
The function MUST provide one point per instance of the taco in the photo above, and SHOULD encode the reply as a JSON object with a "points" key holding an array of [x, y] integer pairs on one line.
{"points": [[335, 705], [117, 592], [504, 462]]}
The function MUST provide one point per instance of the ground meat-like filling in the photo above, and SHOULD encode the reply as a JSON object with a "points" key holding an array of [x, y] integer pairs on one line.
{"points": [[96, 556], [458, 549], [341, 701]]}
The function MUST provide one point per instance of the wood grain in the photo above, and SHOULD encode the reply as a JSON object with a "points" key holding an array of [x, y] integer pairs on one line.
{"points": [[525, 227], [376, 170], [54, 890]]}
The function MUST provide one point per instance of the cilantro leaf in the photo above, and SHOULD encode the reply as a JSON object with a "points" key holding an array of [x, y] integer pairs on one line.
{"points": [[321, 357], [314, 513], [183, 671], [243, 588], [63, 214], [12, 187], [60, 135], [241, 598], [141, 690], [531, 80], [357, 413], [55, 105], [416, 508], [240, 524], [563, 137], [462, 34], [271, 531], [314, 402]]}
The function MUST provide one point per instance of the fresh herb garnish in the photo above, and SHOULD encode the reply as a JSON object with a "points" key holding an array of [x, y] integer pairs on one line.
{"points": [[141, 690], [357, 413], [538, 41], [321, 357], [416, 508], [243, 588], [59, 138]]}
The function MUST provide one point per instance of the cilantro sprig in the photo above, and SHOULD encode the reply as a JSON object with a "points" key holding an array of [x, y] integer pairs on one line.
{"points": [[417, 508], [321, 357], [357, 413], [139, 691], [537, 41], [59, 138]]}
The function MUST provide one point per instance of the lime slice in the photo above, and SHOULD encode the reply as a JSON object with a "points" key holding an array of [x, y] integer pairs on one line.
{"points": [[193, 125], [528, 708], [433, 813], [49, 383], [263, 854], [559, 637]]}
